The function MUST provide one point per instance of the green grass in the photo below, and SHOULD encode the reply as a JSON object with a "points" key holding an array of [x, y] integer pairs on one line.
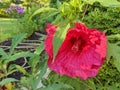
{"points": [[8, 28]]}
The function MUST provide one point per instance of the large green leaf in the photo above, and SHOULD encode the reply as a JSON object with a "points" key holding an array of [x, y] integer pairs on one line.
{"points": [[56, 87], [59, 38], [16, 40], [107, 3], [7, 80], [42, 10], [114, 50]]}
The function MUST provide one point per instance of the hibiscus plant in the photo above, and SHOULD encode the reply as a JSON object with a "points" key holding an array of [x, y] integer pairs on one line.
{"points": [[76, 56], [75, 52]]}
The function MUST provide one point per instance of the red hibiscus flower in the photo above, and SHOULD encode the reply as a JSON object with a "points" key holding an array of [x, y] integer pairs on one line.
{"points": [[81, 54]]}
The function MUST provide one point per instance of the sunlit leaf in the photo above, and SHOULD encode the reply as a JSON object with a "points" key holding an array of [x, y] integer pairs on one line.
{"points": [[21, 69]]}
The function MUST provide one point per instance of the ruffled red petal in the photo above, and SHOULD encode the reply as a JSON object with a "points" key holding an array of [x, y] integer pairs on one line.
{"points": [[80, 55]]}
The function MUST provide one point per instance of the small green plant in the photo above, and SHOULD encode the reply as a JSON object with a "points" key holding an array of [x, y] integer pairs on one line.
{"points": [[25, 25], [38, 67], [7, 57]]}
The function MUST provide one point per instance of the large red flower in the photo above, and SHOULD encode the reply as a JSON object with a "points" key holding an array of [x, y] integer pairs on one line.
{"points": [[81, 54]]}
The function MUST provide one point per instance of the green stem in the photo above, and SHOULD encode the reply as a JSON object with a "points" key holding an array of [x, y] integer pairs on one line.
{"points": [[98, 81], [84, 12]]}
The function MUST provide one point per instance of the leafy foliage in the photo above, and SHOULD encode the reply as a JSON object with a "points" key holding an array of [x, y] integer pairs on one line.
{"points": [[6, 58], [25, 25], [108, 21], [109, 76], [112, 3], [75, 83]]}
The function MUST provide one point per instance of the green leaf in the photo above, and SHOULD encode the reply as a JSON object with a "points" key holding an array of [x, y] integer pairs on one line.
{"points": [[57, 19], [19, 55], [33, 62], [39, 49], [50, 15], [21, 69], [7, 80], [16, 40], [114, 50], [107, 3], [56, 87], [114, 37], [31, 81], [59, 38], [3, 53], [42, 10]]}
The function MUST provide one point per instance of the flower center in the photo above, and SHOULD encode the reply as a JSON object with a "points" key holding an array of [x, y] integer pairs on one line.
{"points": [[78, 45]]}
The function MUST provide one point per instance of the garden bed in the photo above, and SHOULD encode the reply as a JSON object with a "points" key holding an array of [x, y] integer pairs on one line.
{"points": [[28, 44]]}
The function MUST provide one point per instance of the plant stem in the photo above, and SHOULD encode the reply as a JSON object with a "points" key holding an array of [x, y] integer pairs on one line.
{"points": [[98, 81], [84, 12]]}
